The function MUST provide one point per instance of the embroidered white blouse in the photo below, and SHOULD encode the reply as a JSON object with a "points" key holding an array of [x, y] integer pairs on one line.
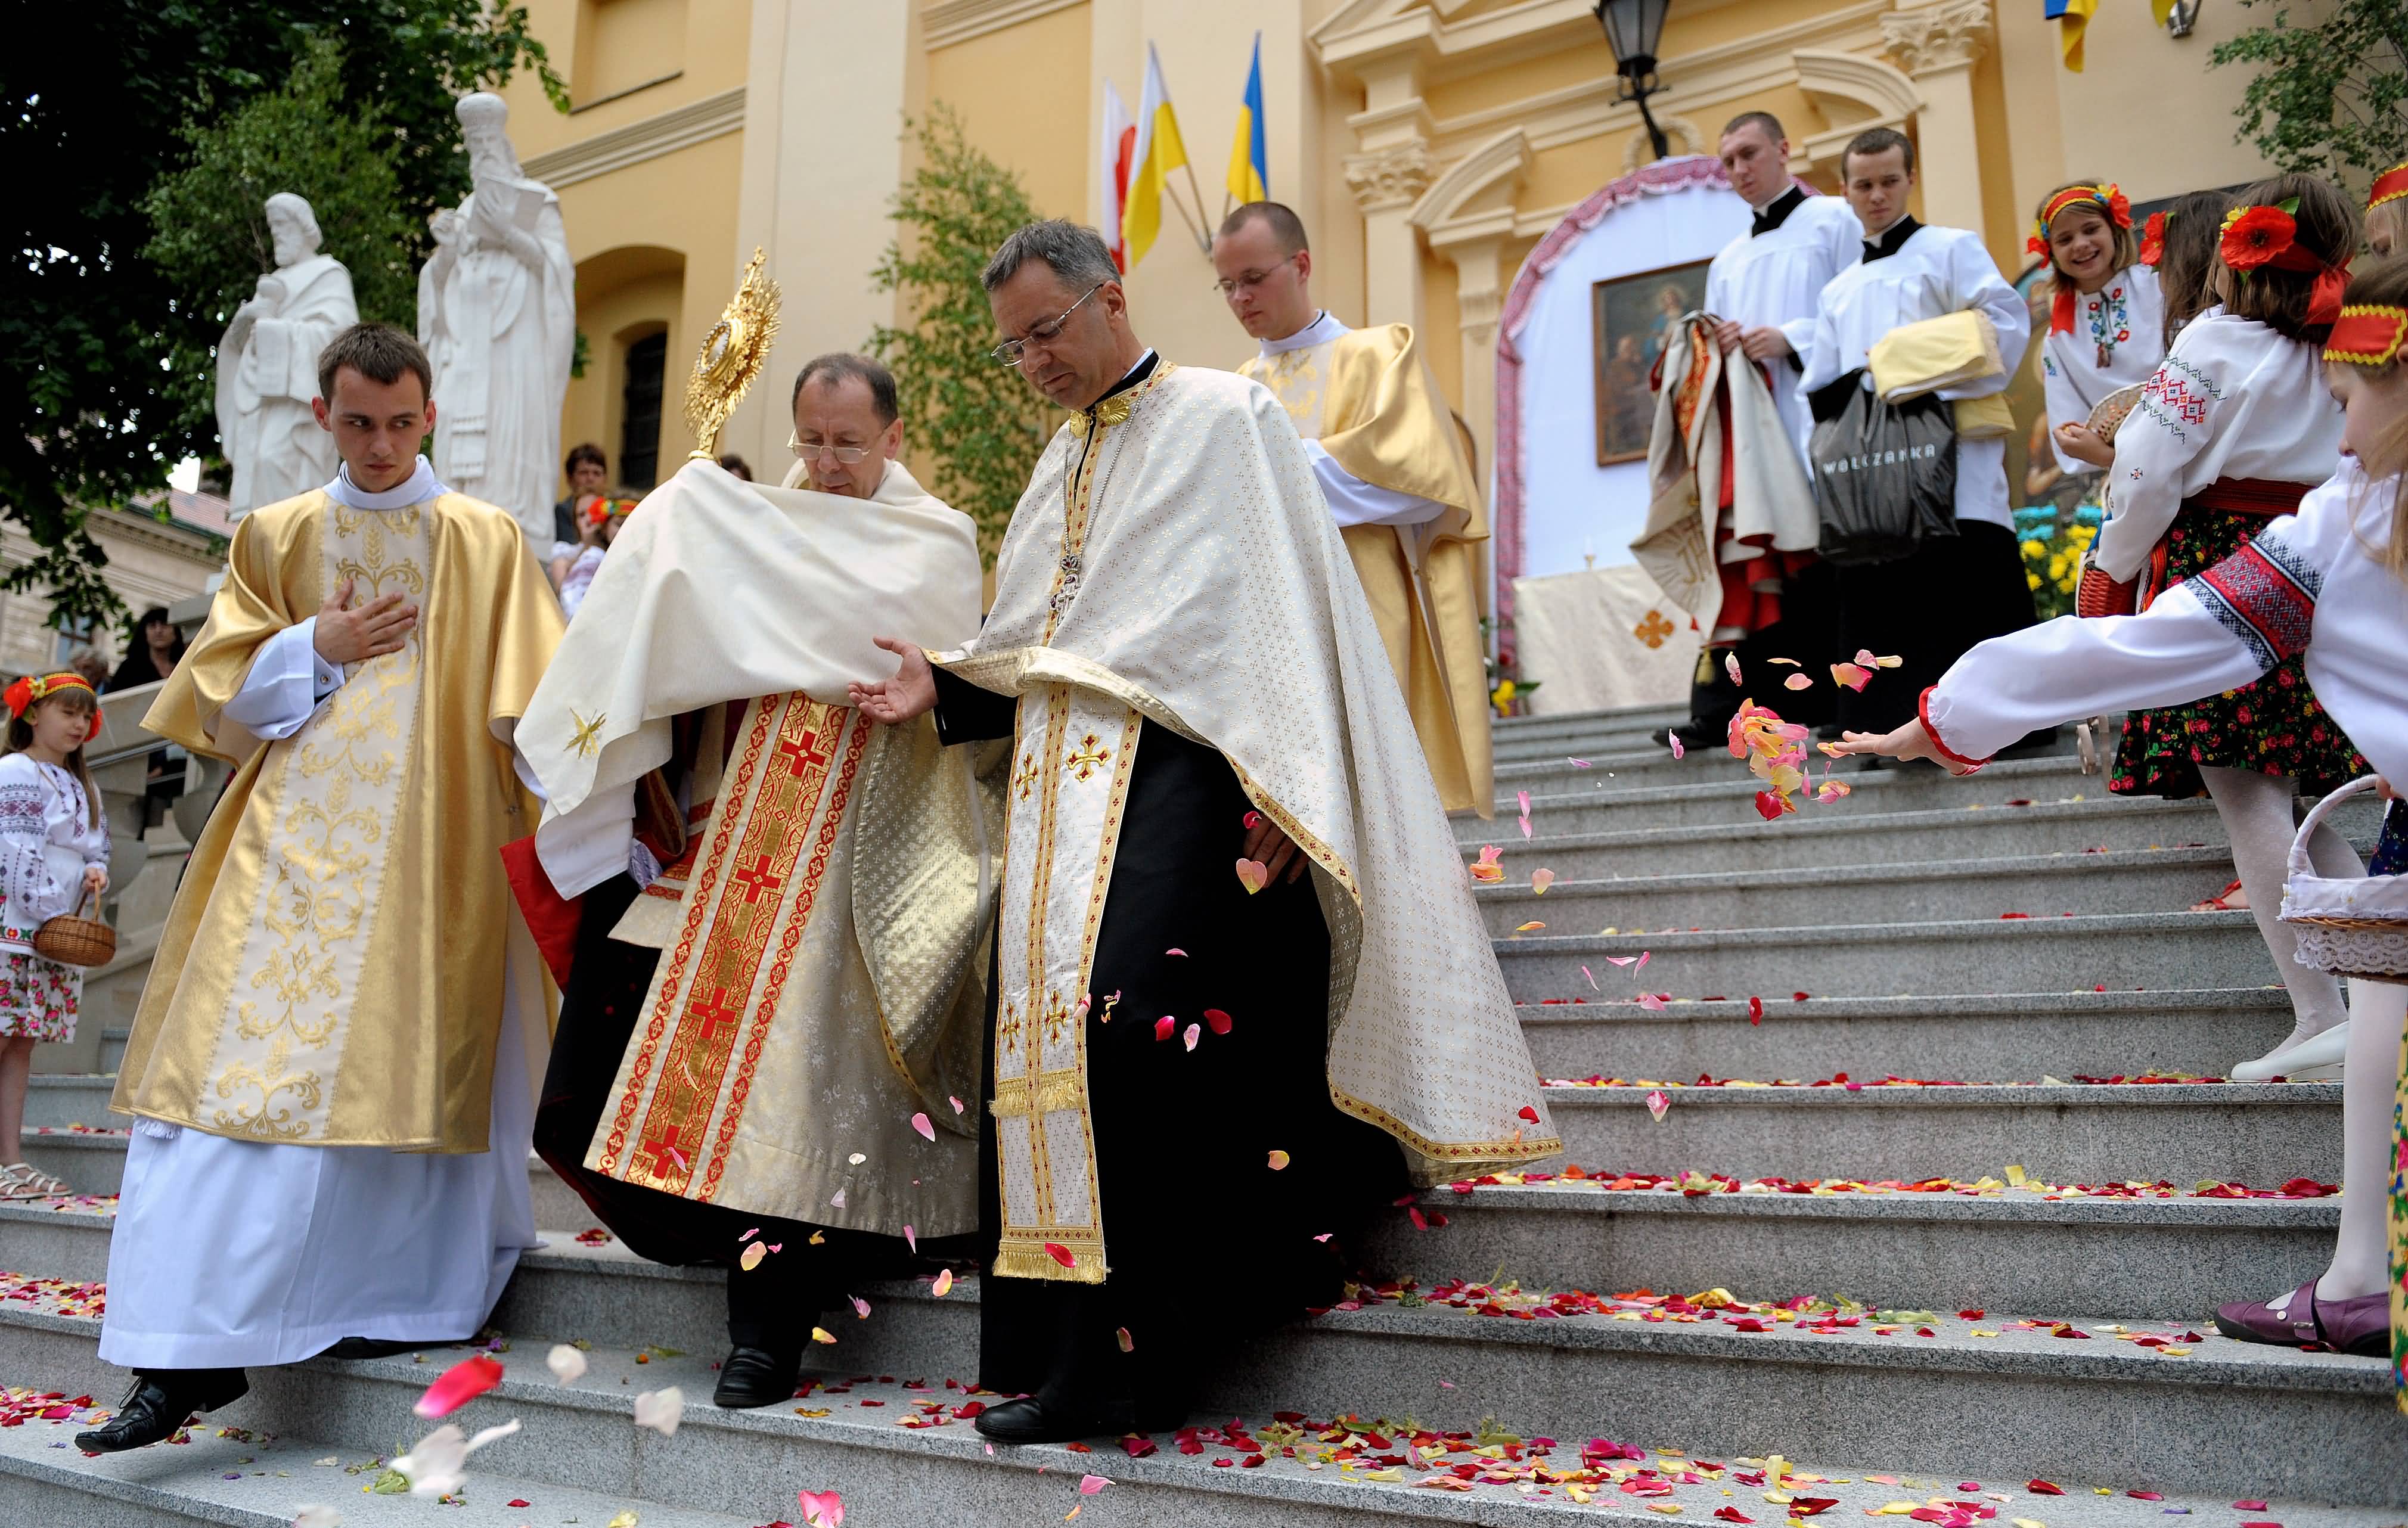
{"points": [[1774, 279], [2118, 339], [1936, 271], [2311, 583], [47, 839], [2232, 399]]}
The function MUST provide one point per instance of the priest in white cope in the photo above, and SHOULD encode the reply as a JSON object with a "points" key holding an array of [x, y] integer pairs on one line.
{"points": [[773, 993], [1761, 291], [497, 312], [1391, 461], [267, 364], [1235, 943], [331, 1070], [1954, 590]]}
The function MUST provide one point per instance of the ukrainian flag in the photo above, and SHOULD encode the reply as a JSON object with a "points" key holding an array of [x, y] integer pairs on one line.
{"points": [[1250, 176]]}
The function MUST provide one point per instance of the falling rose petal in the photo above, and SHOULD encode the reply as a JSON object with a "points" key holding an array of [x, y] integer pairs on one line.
{"points": [[1221, 1022], [1192, 1034], [1529, 928], [955, 1101], [779, 1246], [1522, 798], [1526, 1113], [1651, 1001], [821, 1509], [750, 1234], [1798, 681], [1540, 880], [661, 1411], [1060, 1254], [1577, 763], [911, 1238], [1526, 824], [836, 1202], [752, 1256], [1851, 674], [860, 1306], [1642, 960], [458, 1385], [1165, 1027], [565, 1363], [920, 1122], [1674, 738], [1279, 1159], [1253, 875], [1174, 950], [1325, 1235], [821, 1333], [1785, 663], [1832, 790], [1731, 666], [1592, 979], [1622, 960], [1658, 1106], [944, 1285], [436, 1465], [1121, 1335], [1090, 1484], [856, 1159]]}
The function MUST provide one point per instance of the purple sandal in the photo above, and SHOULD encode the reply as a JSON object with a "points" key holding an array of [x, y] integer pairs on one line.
{"points": [[2361, 1325]]}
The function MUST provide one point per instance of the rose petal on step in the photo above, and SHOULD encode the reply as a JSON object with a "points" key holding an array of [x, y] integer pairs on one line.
{"points": [[1192, 1034], [458, 1385], [1221, 1024], [920, 1122], [836, 1202], [1592, 979], [944, 1285], [1253, 875], [1755, 1010], [2038, 1488], [1622, 960], [821, 1509], [856, 1159], [1529, 928], [1540, 880], [1658, 1106], [1060, 1254], [1279, 1159], [1090, 1484], [821, 1333], [752, 1256], [661, 1411], [313, 1516], [565, 1363], [1577, 763], [1651, 1001]]}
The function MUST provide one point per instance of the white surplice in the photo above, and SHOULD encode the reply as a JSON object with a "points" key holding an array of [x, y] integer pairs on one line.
{"points": [[1936, 271], [1352, 501], [2118, 339], [2232, 399], [2312, 582], [230, 1253], [1774, 280]]}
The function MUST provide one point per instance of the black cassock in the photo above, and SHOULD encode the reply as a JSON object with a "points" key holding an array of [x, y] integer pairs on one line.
{"points": [[1205, 1241]]}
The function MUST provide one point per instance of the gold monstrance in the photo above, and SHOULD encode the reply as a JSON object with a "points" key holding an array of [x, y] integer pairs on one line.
{"points": [[732, 355]]}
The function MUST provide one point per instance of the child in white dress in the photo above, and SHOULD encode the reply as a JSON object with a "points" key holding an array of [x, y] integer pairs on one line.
{"points": [[53, 854], [2106, 326]]}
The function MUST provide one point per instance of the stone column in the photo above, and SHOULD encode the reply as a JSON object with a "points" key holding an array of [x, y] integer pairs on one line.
{"points": [[1387, 176], [1938, 44], [1479, 297]]}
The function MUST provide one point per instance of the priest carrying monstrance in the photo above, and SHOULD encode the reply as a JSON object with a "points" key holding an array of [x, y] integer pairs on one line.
{"points": [[1235, 940]]}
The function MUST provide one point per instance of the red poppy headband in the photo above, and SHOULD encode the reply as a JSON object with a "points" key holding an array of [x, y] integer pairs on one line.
{"points": [[2256, 236], [2109, 200], [2368, 334], [601, 509], [2391, 185], [32, 690]]}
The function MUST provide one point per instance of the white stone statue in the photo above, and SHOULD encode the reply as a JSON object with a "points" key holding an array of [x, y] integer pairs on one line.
{"points": [[497, 314], [267, 364]]}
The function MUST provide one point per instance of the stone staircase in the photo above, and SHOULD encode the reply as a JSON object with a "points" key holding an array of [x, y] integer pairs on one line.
{"points": [[1962, 1323]]}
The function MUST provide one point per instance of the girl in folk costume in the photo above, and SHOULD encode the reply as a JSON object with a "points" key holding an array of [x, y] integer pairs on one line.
{"points": [[2387, 211], [599, 519], [53, 853], [2231, 432], [2106, 320], [2329, 585], [2180, 245]]}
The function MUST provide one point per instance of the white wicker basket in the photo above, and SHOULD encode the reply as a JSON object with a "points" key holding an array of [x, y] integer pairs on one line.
{"points": [[2357, 927]]}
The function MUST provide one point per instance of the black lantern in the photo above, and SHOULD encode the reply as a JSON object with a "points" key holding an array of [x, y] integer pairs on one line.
{"points": [[1632, 30]]}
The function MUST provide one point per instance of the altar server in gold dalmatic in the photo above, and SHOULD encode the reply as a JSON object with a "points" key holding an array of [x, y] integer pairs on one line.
{"points": [[331, 1070], [1391, 461]]}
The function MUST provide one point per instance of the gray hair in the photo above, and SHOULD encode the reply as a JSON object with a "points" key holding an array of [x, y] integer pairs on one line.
{"points": [[1072, 251], [841, 364]]}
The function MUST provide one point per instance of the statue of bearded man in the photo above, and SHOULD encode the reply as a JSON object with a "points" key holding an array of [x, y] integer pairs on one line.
{"points": [[267, 364], [497, 314]]}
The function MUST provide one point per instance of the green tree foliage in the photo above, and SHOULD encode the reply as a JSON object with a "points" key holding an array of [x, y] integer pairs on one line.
{"points": [[97, 110], [210, 238], [2332, 91], [987, 425]]}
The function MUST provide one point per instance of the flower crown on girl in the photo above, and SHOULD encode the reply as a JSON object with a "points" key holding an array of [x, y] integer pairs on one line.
{"points": [[602, 507], [2270, 236], [2368, 334], [2109, 200], [27, 692], [2391, 185]]}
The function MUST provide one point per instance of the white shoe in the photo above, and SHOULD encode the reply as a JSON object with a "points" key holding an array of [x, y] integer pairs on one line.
{"points": [[2315, 1059]]}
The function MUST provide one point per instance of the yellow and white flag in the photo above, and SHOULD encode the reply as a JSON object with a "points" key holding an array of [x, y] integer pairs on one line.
{"points": [[1159, 152]]}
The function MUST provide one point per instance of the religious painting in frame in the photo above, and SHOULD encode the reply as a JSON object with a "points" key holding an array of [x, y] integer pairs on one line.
{"points": [[1633, 318]]}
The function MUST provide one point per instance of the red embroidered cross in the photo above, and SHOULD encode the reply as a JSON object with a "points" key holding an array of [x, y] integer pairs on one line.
{"points": [[713, 1013], [802, 753], [661, 1146], [758, 880]]}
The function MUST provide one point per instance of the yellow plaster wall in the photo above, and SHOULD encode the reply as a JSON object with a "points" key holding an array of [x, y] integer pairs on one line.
{"points": [[1022, 96]]}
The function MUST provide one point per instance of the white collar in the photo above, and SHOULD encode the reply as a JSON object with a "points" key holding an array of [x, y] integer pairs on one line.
{"points": [[421, 486], [1321, 331]]}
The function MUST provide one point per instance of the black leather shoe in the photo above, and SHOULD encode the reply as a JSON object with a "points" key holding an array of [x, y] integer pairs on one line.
{"points": [[1029, 1419], [159, 1403], [753, 1377], [358, 1347]]}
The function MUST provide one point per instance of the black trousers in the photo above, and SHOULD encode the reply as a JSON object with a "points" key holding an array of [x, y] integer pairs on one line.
{"points": [[1808, 631], [1927, 609], [774, 1305]]}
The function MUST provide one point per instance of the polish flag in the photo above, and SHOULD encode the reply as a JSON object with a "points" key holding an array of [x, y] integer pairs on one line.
{"points": [[1120, 158]]}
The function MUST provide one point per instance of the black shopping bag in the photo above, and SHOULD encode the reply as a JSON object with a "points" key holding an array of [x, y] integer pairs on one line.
{"points": [[1884, 474]]}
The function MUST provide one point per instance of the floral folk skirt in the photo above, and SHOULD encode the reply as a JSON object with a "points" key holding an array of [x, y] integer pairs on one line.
{"points": [[2274, 726], [38, 998]]}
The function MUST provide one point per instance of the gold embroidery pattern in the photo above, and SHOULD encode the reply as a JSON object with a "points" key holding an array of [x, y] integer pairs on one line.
{"points": [[1088, 759], [337, 782], [584, 741], [1026, 775]]}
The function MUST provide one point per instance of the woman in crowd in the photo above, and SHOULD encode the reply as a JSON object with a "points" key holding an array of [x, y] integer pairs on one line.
{"points": [[2230, 433], [2106, 327], [2329, 585], [573, 574], [157, 648]]}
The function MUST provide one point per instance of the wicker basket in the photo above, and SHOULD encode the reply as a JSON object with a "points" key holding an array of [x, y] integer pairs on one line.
{"points": [[73, 939], [2357, 927], [2107, 415]]}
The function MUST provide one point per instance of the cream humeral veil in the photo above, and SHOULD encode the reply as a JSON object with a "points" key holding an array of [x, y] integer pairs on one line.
{"points": [[821, 978], [1201, 582]]}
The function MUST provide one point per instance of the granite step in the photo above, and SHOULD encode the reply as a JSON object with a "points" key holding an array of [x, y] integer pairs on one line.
{"points": [[2149, 952], [1977, 1037], [113, 1046], [2022, 1404], [1581, 801], [2038, 885], [61, 1099]]}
